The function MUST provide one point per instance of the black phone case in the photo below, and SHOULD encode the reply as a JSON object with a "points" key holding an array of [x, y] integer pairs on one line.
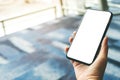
{"points": [[98, 50]]}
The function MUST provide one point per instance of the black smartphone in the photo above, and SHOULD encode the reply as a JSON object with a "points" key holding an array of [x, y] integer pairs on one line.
{"points": [[86, 44]]}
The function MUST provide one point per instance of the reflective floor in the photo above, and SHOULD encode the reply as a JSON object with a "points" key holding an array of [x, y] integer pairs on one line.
{"points": [[37, 53]]}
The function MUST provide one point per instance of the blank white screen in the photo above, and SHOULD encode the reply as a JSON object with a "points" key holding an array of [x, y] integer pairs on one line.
{"points": [[88, 36]]}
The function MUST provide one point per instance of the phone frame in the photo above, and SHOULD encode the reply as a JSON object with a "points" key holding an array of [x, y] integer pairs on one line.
{"points": [[99, 47]]}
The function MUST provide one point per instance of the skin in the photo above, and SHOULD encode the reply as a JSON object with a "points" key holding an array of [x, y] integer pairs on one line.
{"points": [[96, 70]]}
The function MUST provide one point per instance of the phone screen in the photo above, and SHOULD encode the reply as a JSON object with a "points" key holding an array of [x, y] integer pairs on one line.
{"points": [[89, 36]]}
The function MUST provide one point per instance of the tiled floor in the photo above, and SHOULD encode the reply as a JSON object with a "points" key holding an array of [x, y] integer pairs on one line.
{"points": [[37, 53]]}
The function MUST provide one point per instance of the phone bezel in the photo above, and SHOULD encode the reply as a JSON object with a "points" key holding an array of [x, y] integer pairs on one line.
{"points": [[98, 49]]}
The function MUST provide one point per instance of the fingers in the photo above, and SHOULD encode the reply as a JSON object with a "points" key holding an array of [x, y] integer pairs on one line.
{"points": [[74, 33], [72, 37], [66, 49], [70, 40]]}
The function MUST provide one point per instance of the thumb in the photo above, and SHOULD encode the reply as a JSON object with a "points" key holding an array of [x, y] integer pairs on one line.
{"points": [[101, 60]]}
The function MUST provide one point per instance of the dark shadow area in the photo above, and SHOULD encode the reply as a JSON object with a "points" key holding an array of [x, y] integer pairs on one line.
{"points": [[115, 63], [115, 26]]}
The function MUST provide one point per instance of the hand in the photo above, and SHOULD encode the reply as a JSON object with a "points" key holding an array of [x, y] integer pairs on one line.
{"points": [[95, 71]]}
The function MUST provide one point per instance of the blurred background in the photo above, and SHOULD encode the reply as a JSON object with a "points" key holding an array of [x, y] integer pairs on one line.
{"points": [[34, 33]]}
